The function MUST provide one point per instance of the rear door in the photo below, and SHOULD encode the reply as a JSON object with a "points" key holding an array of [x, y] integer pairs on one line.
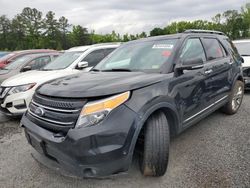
{"points": [[216, 70]]}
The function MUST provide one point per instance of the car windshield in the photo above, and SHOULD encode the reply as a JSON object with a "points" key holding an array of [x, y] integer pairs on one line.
{"points": [[243, 48], [63, 61], [6, 57], [139, 56], [17, 63]]}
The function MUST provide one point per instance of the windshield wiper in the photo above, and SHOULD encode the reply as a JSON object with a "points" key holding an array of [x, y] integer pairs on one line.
{"points": [[117, 70], [245, 54], [46, 69]]}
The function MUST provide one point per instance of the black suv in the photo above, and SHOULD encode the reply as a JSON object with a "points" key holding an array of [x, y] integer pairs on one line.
{"points": [[147, 90]]}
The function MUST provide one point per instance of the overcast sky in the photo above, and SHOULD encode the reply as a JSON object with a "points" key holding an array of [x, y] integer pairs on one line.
{"points": [[124, 16]]}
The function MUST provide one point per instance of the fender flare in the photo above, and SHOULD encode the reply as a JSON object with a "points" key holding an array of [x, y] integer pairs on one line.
{"points": [[236, 78], [144, 118]]}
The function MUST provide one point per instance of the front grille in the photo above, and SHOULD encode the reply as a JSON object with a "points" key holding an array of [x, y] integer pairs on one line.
{"points": [[55, 114]]}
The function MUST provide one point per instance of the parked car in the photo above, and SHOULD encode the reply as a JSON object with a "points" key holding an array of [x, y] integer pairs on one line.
{"points": [[243, 47], [17, 54], [18, 90], [90, 124], [3, 54], [26, 63]]}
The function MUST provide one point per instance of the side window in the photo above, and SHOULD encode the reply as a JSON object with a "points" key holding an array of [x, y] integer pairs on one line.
{"points": [[233, 50], [39, 62], [213, 48], [193, 49], [94, 57]]}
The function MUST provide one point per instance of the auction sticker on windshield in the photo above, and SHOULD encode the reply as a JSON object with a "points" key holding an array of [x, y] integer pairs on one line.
{"points": [[163, 46]]}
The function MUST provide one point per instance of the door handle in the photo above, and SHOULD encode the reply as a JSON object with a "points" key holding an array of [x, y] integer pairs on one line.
{"points": [[208, 71]]}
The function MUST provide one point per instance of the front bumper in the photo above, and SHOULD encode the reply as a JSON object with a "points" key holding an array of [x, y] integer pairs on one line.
{"points": [[16, 104], [96, 151]]}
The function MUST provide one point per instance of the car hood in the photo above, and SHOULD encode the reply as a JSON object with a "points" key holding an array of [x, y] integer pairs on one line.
{"points": [[5, 74], [36, 77], [94, 84], [246, 61]]}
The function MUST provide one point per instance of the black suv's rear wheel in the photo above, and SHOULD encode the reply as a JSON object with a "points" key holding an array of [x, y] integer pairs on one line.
{"points": [[154, 160], [235, 98]]}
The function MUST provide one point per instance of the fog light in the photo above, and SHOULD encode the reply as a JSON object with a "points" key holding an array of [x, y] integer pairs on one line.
{"points": [[89, 172]]}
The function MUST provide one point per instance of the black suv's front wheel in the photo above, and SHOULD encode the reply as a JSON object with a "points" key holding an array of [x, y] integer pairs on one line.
{"points": [[154, 160], [235, 98]]}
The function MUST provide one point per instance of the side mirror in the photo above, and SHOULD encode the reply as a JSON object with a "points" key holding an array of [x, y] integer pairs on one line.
{"points": [[26, 68], [242, 59], [82, 64], [191, 64]]}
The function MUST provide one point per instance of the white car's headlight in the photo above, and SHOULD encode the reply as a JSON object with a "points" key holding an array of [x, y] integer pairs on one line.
{"points": [[21, 88], [94, 112]]}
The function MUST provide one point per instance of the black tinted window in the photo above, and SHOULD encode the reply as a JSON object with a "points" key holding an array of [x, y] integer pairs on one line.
{"points": [[94, 57], [213, 48], [193, 49]]}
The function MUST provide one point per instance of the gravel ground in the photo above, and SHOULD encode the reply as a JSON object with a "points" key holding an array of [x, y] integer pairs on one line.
{"points": [[213, 153]]}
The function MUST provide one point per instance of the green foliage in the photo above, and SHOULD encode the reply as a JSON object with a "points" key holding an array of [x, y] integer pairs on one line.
{"points": [[30, 29]]}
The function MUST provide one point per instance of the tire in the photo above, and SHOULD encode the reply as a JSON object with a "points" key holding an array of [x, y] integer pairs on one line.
{"points": [[154, 160], [235, 99]]}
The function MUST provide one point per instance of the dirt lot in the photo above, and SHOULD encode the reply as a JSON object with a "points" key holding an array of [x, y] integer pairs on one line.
{"points": [[213, 153]]}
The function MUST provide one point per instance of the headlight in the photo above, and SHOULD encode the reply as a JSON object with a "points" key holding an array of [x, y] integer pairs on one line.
{"points": [[94, 112], [21, 88]]}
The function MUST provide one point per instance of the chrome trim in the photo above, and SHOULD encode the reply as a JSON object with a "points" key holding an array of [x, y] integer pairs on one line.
{"points": [[208, 71], [205, 109], [54, 109], [48, 120]]}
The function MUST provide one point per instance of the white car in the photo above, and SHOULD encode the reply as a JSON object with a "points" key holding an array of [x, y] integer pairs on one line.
{"points": [[243, 47], [17, 91]]}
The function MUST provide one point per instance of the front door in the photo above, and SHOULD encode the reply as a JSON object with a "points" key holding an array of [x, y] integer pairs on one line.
{"points": [[191, 88]]}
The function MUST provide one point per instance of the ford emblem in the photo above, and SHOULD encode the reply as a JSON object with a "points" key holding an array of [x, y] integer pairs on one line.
{"points": [[39, 111]]}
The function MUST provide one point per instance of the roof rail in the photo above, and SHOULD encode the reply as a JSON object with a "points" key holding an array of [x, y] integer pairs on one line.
{"points": [[107, 43], [204, 31]]}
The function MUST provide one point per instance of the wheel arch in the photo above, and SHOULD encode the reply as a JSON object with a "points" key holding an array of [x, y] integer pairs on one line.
{"points": [[171, 115], [240, 78]]}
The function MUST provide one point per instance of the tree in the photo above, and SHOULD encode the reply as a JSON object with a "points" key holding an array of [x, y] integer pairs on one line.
{"points": [[4, 30], [52, 32], [80, 36], [157, 31], [63, 27], [18, 34], [235, 24], [31, 20], [30, 29]]}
